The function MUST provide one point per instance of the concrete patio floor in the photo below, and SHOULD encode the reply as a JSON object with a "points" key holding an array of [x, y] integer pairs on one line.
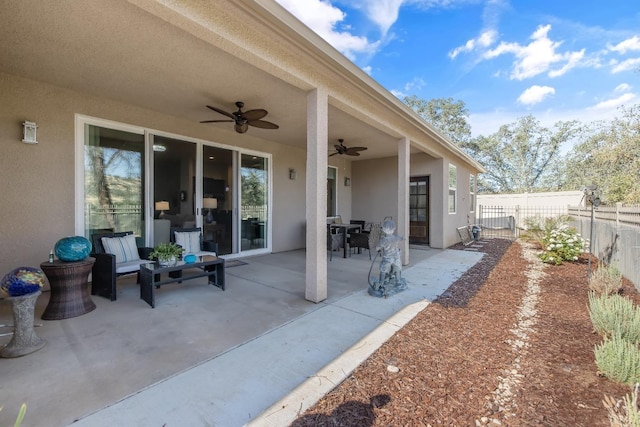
{"points": [[204, 356]]}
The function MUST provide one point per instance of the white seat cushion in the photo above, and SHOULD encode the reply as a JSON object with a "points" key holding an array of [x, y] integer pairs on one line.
{"points": [[129, 266], [189, 241], [124, 248]]}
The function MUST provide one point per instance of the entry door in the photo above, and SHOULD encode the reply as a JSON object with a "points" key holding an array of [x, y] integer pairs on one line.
{"points": [[419, 210]]}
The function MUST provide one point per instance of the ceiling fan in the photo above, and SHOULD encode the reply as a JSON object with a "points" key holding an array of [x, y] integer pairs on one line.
{"points": [[349, 151], [243, 119]]}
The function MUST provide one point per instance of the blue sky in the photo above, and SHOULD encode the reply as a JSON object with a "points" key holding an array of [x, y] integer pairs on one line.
{"points": [[554, 59]]}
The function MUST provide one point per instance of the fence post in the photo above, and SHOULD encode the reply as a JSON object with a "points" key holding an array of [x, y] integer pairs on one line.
{"points": [[517, 224], [480, 210]]}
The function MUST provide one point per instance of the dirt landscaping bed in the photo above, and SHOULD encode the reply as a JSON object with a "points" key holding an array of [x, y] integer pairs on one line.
{"points": [[510, 343]]}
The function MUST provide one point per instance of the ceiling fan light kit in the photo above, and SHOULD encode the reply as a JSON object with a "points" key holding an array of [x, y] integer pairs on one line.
{"points": [[243, 119]]}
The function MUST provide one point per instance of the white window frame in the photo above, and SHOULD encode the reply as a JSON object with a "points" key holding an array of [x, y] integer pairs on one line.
{"points": [[82, 120], [453, 189], [472, 192]]}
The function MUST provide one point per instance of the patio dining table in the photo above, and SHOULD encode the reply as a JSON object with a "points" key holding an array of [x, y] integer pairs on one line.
{"points": [[344, 230]]}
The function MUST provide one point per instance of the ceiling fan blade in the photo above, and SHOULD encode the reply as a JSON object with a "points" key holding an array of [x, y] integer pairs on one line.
{"points": [[354, 149], [216, 121], [333, 154], [241, 128], [263, 124], [352, 153], [224, 113], [255, 114]]}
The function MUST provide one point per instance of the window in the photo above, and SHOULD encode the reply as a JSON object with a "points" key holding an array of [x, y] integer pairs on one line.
{"points": [[472, 193], [453, 185]]}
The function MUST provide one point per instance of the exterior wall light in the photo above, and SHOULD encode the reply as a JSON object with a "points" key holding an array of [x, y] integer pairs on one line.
{"points": [[29, 132]]}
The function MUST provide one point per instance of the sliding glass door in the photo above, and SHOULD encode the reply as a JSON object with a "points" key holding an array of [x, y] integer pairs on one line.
{"points": [[254, 208], [174, 170], [218, 197], [133, 179], [114, 181]]}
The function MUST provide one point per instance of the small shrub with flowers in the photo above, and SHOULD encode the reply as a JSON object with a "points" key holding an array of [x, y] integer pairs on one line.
{"points": [[562, 244]]}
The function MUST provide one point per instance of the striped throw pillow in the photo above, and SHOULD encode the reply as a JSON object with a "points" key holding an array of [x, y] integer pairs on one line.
{"points": [[189, 240], [124, 248]]}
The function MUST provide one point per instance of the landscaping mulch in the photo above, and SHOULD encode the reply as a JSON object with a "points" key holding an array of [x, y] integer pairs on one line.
{"points": [[510, 343]]}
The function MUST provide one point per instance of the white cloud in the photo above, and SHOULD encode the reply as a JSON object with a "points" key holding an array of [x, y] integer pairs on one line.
{"points": [[536, 57], [484, 40], [384, 13], [614, 102], [626, 65], [416, 84], [367, 69], [624, 46], [623, 87], [398, 93], [489, 122], [323, 18], [573, 59], [535, 94]]}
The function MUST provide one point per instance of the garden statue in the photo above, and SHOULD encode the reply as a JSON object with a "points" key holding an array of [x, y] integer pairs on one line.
{"points": [[390, 280]]}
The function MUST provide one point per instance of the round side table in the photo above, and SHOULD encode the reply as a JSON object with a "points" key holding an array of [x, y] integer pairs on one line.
{"points": [[69, 288]]}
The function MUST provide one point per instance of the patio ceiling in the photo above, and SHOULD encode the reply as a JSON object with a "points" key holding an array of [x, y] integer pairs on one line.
{"points": [[116, 50]]}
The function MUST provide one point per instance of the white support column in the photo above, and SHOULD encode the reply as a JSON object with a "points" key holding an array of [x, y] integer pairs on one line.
{"points": [[317, 145], [402, 227]]}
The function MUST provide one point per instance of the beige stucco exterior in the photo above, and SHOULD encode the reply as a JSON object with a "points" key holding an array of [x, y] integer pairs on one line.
{"points": [[155, 65]]}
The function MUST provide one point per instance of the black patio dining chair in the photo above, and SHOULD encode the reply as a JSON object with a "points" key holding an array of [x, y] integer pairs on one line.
{"points": [[366, 240]]}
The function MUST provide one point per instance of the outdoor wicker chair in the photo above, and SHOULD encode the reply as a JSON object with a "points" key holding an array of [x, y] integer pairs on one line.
{"points": [[116, 254], [334, 241]]}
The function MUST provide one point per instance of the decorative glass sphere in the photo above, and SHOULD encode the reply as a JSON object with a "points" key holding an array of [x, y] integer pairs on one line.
{"points": [[72, 248], [22, 281]]}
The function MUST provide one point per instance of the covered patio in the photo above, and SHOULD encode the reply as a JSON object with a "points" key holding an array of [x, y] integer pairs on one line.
{"points": [[260, 333], [148, 69]]}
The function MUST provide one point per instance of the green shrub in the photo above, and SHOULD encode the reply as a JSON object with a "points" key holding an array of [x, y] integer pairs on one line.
{"points": [[613, 315], [618, 359], [606, 280]]}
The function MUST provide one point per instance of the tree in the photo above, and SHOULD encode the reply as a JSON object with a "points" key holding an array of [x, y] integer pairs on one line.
{"points": [[522, 156], [253, 187], [446, 115], [610, 158]]}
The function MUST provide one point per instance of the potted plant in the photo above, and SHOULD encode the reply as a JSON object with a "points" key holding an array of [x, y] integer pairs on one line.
{"points": [[166, 253]]}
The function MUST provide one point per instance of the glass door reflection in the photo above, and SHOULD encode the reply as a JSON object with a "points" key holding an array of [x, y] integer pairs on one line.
{"points": [[254, 209]]}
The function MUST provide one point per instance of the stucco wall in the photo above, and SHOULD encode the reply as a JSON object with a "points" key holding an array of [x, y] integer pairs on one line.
{"points": [[375, 194], [375, 189], [438, 172], [37, 181]]}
